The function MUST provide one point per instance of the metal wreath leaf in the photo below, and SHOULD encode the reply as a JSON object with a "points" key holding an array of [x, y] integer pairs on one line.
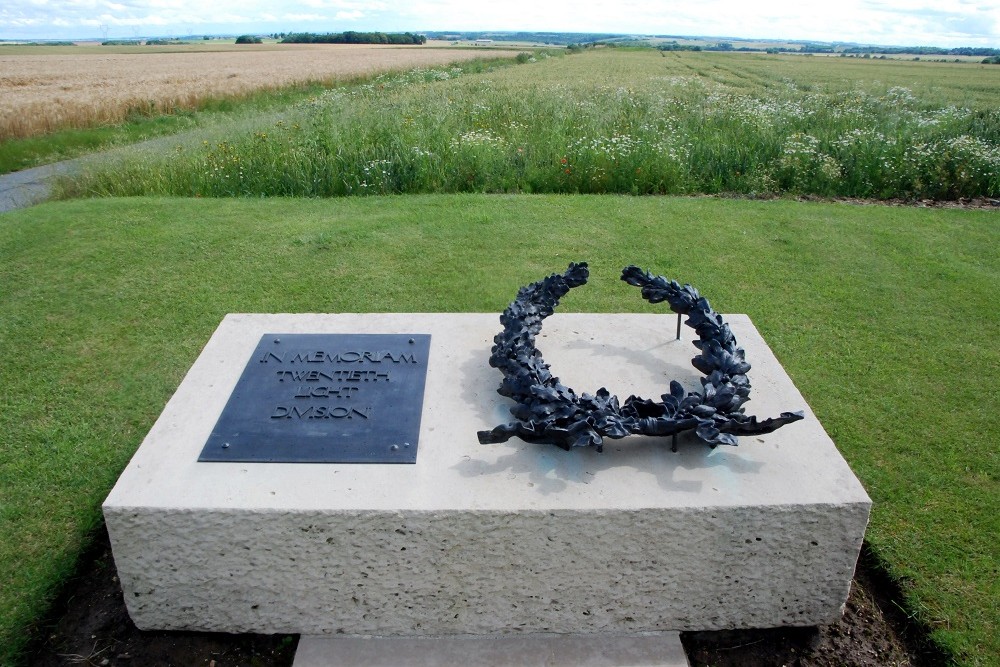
{"points": [[549, 412]]}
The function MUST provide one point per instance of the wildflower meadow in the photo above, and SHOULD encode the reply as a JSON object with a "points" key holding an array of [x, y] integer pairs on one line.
{"points": [[631, 122]]}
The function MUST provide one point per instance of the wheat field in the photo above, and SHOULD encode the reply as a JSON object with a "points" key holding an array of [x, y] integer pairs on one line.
{"points": [[87, 86]]}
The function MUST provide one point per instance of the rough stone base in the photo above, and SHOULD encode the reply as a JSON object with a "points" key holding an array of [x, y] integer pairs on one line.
{"points": [[491, 539]]}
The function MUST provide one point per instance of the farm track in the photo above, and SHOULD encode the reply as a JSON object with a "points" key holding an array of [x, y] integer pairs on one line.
{"points": [[21, 189]]}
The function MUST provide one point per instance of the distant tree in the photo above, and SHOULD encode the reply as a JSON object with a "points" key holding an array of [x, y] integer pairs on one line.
{"points": [[565, 38], [674, 46], [249, 39], [353, 37]]}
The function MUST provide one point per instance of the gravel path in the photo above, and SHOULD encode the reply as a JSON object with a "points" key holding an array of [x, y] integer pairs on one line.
{"points": [[22, 189]]}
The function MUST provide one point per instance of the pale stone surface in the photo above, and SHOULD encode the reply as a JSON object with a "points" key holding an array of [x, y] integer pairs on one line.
{"points": [[491, 539], [647, 650]]}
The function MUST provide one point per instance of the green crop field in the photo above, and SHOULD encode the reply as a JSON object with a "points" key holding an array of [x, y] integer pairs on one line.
{"points": [[885, 316], [614, 121]]}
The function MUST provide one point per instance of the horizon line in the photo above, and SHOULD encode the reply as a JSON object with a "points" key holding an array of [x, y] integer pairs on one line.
{"points": [[608, 35]]}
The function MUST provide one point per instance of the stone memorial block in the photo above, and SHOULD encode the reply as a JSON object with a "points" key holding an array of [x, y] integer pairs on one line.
{"points": [[498, 539]]}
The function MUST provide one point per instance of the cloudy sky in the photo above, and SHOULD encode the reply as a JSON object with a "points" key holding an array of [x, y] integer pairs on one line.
{"points": [[894, 22]]}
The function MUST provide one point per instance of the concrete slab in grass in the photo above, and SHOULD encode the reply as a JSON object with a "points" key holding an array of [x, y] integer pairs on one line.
{"points": [[490, 539], [647, 650]]}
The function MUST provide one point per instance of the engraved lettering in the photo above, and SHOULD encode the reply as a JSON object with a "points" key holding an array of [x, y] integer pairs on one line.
{"points": [[324, 397], [320, 412], [301, 376], [323, 392], [349, 357]]}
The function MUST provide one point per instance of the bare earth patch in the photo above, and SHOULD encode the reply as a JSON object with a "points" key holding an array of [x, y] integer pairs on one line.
{"points": [[43, 92], [971, 203], [90, 626]]}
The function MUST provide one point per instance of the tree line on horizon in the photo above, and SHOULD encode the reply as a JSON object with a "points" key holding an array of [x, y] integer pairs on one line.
{"points": [[609, 39], [558, 38], [827, 48], [352, 37]]}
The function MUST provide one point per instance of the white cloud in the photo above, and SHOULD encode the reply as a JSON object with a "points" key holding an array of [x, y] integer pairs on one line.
{"points": [[936, 22], [346, 6], [303, 17]]}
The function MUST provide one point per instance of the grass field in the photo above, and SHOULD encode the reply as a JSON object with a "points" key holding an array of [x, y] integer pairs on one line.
{"points": [[43, 89], [614, 121], [885, 318]]}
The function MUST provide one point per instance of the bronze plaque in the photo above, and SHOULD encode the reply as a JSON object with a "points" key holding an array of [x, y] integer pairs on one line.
{"points": [[325, 398]]}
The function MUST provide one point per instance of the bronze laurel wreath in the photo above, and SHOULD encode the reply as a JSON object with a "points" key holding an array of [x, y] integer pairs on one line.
{"points": [[547, 411]]}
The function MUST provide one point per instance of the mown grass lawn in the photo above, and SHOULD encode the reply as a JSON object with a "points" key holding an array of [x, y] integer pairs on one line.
{"points": [[886, 318]]}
